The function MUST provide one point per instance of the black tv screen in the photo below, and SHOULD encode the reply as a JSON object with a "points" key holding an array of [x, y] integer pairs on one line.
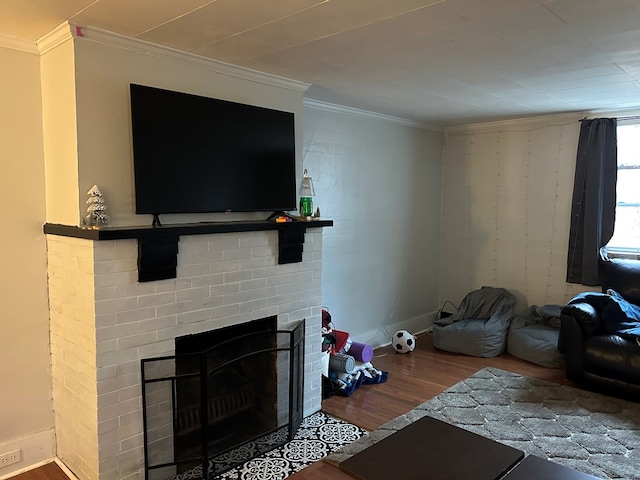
{"points": [[194, 154]]}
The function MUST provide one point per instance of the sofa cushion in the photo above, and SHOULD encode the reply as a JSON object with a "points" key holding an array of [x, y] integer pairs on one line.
{"points": [[612, 356], [620, 316]]}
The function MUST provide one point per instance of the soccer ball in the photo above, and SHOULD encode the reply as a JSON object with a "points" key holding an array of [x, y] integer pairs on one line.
{"points": [[403, 341]]}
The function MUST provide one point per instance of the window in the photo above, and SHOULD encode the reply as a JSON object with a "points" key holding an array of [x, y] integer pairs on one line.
{"points": [[626, 237]]}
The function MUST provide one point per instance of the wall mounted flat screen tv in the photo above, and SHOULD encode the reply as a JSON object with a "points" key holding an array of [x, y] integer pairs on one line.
{"points": [[193, 154]]}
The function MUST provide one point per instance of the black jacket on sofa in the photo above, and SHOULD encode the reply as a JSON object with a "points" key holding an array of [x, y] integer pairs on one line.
{"points": [[597, 358]]}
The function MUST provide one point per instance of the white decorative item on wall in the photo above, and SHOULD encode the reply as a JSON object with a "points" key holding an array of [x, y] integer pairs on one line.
{"points": [[96, 208]]}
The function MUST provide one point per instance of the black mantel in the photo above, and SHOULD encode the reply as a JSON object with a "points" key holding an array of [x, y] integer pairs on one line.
{"points": [[158, 246]]}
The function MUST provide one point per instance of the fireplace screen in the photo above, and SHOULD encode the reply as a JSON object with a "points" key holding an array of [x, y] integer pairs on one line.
{"points": [[226, 396]]}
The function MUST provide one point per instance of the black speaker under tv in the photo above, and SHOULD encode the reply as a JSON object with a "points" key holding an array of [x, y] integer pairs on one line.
{"points": [[194, 154]]}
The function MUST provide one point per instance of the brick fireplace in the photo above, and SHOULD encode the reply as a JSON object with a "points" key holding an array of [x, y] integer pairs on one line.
{"points": [[103, 322]]}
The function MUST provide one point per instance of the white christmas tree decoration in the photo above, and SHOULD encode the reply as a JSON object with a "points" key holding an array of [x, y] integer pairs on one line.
{"points": [[96, 208]]}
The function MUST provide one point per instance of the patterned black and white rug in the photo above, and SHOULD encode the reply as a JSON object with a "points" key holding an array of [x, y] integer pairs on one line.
{"points": [[318, 436]]}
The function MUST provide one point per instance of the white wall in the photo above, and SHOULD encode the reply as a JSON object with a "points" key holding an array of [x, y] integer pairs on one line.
{"points": [[506, 209], [380, 183], [26, 415], [103, 75]]}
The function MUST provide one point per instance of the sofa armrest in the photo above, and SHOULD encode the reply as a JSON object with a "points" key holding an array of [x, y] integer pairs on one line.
{"points": [[586, 316], [571, 344]]}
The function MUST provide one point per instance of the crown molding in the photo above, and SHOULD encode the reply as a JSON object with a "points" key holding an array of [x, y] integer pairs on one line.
{"points": [[523, 123], [104, 37], [55, 37], [357, 112], [14, 43]]}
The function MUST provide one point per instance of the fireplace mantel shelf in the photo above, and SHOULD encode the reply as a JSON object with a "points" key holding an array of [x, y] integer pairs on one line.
{"points": [[178, 229], [158, 246]]}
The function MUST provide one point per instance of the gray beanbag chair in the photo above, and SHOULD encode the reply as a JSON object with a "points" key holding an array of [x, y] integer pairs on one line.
{"points": [[533, 336], [479, 327]]}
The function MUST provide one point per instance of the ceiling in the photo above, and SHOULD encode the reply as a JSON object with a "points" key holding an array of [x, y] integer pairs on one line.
{"points": [[441, 62]]}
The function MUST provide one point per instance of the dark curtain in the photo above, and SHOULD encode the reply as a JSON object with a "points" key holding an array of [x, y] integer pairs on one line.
{"points": [[594, 199]]}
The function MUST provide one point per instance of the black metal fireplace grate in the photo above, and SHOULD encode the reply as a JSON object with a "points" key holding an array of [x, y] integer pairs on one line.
{"points": [[205, 405]]}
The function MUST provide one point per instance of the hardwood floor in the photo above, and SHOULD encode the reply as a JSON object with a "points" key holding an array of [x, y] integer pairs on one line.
{"points": [[413, 378], [50, 471]]}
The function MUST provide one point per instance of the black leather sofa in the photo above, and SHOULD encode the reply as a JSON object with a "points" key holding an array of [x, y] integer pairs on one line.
{"points": [[596, 359]]}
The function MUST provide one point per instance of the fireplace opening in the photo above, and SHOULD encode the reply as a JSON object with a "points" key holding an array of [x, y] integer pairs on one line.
{"points": [[226, 396]]}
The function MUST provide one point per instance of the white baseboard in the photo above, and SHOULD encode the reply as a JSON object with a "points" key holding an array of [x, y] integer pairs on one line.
{"points": [[35, 450], [66, 471], [381, 337]]}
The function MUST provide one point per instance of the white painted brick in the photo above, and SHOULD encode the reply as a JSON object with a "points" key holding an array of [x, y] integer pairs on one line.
{"points": [[239, 276], [237, 254], [109, 398], [104, 266], [225, 311], [136, 289], [126, 265], [121, 409], [155, 324], [256, 262], [113, 358], [136, 315], [225, 289], [119, 278], [256, 239], [279, 279], [107, 346], [288, 307], [113, 250], [132, 366], [129, 392], [226, 241], [201, 258], [269, 251], [225, 266], [171, 333], [125, 343], [171, 284], [194, 243], [156, 299], [254, 284], [173, 309], [193, 316], [116, 305], [193, 269], [223, 280], [268, 272], [212, 279], [160, 348], [192, 293], [264, 313], [106, 372], [253, 305]]}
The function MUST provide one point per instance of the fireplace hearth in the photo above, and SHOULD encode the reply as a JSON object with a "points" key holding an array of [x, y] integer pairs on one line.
{"points": [[223, 390]]}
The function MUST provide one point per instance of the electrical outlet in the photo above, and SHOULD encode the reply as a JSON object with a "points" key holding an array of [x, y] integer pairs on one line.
{"points": [[9, 458]]}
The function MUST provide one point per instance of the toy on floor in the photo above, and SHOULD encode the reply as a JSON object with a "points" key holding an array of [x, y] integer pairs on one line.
{"points": [[403, 341]]}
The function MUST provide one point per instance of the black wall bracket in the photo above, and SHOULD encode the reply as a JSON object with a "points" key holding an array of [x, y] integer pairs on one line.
{"points": [[157, 258]]}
